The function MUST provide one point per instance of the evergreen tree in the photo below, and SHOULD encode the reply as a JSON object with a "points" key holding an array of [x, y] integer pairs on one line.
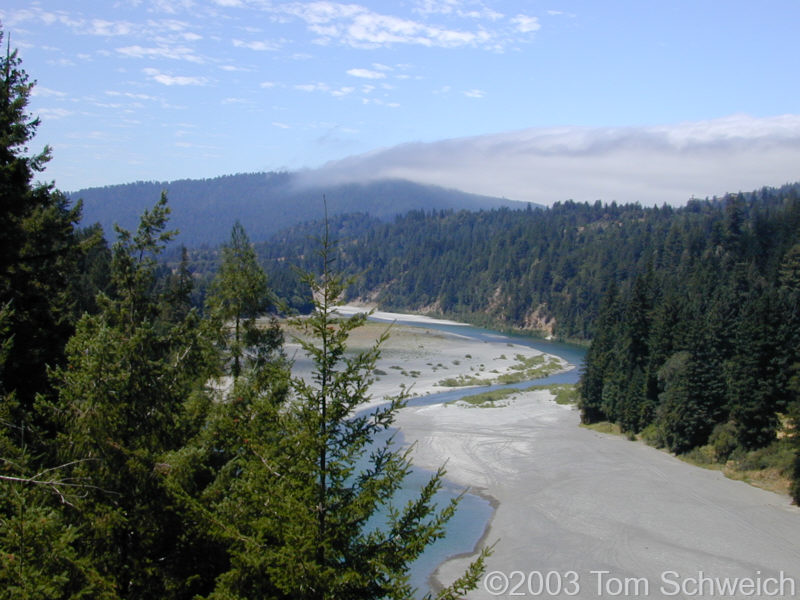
{"points": [[38, 249], [40, 551], [122, 406], [238, 295], [599, 359]]}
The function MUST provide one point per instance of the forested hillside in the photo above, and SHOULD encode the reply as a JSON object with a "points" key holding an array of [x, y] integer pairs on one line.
{"points": [[693, 313], [702, 348], [541, 271], [204, 210]]}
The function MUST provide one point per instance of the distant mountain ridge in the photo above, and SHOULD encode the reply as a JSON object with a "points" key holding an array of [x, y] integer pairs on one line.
{"points": [[204, 210]]}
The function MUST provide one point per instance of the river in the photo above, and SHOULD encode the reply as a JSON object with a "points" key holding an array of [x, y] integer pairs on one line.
{"points": [[466, 528]]}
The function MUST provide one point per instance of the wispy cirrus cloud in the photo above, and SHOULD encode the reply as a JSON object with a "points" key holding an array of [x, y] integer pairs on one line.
{"points": [[471, 9], [312, 87], [474, 93], [52, 114], [132, 96], [110, 28], [366, 74], [258, 45], [336, 92], [171, 6], [650, 165], [358, 26], [44, 92], [170, 80], [159, 52], [79, 25]]}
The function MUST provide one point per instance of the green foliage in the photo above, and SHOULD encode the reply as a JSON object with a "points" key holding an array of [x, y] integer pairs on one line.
{"points": [[295, 482], [723, 442], [565, 393], [487, 399], [237, 297], [696, 351], [39, 557], [38, 249], [344, 554], [794, 430], [40, 550], [121, 407]]}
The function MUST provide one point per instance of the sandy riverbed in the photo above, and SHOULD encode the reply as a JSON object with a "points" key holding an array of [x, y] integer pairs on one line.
{"points": [[602, 516], [604, 512], [423, 360]]}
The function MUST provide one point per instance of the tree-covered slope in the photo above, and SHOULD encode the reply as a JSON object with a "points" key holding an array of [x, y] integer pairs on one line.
{"points": [[544, 270], [204, 210], [702, 347], [693, 313]]}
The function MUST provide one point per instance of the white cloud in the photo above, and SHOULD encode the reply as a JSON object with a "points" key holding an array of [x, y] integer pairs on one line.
{"points": [[62, 62], [380, 102], [172, 53], [110, 28], [280, 125], [313, 87], [483, 13], [171, 6], [51, 114], [98, 27], [526, 24], [170, 80], [43, 92], [651, 165], [358, 26], [132, 96], [474, 93], [468, 10], [343, 91], [258, 45], [366, 74], [432, 7]]}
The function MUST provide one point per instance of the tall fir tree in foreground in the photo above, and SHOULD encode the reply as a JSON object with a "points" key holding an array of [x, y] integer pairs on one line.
{"points": [[122, 405], [38, 246], [40, 550]]}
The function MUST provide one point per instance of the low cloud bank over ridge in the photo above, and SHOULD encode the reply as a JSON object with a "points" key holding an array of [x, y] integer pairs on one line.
{"points": [[650, 165]]}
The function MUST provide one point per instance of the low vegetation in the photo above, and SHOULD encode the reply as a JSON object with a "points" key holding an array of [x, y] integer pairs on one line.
{"points": [[564, 394]]}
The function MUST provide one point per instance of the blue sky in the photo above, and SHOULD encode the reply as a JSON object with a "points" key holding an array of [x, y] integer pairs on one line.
{"points": [[544, 101]]}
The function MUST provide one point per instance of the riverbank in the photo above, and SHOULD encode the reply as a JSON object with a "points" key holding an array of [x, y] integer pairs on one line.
{"points": [[573, 501]]}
